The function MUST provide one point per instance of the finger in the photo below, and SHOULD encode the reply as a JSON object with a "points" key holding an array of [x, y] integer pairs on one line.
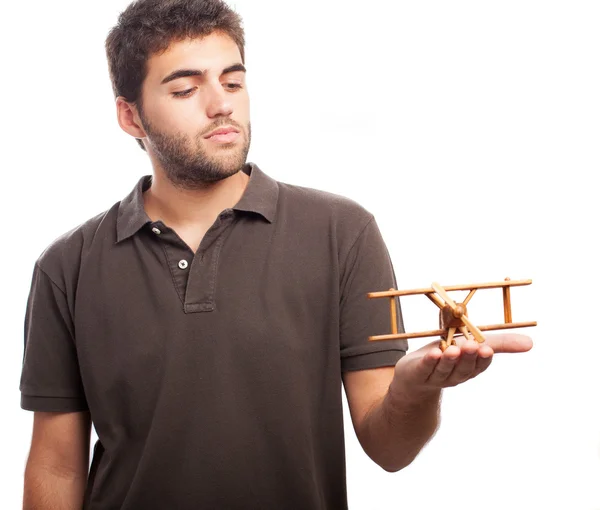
{"points": [[444, 366], [465, 367], [429, 362], [484, 359], [460, 339], [509, 342], [428, 347]]}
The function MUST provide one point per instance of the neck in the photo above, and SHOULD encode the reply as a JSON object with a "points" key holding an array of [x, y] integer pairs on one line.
{"points": [[180, 207]]}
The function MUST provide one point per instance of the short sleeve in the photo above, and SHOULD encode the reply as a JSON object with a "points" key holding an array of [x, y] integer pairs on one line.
{"points": [[50, 376], [368, 268]]}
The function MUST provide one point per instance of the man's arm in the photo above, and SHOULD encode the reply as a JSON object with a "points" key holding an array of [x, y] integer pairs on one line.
{"points": [[392, 429], [57, 466], [395, 410]]}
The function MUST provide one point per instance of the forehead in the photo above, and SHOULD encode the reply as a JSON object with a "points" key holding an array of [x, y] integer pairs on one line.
{"points": [[211, 53]]}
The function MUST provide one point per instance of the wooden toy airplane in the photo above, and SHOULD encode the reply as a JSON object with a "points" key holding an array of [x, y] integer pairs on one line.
{"points": [[453, 316]]}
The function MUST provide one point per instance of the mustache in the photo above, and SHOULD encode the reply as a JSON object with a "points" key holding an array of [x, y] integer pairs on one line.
{"points": [[221, 123]]}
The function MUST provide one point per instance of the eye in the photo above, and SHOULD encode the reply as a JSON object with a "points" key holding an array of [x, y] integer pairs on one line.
{"points": [[183, 93], [233, 86]]}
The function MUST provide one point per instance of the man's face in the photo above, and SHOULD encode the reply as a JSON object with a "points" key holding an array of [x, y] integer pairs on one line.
{"points": [[195, 87]]}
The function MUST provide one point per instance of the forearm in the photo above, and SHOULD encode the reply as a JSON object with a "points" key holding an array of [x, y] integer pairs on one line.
{"points": [[45, 490], [399, 426]]}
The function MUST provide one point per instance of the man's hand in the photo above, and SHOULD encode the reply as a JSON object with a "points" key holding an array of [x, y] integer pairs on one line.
{"points": [[428, 369], [395, 430]]}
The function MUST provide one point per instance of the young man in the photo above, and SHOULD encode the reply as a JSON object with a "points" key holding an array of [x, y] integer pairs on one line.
{"points": [[206, 322]]}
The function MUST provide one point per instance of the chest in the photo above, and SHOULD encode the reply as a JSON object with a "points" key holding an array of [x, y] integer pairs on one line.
{"points": [[248, 311]]}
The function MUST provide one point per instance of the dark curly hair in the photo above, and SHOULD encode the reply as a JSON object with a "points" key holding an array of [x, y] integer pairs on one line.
{"points": [[148, 27]]}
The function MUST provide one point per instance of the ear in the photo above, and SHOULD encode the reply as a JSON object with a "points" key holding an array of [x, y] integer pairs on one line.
{"points": [[128, 118]]}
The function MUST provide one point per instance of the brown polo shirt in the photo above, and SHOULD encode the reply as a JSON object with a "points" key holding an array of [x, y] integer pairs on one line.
{"points": [[213, 378]]}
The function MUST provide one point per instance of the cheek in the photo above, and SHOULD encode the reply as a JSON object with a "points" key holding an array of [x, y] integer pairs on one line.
{"points": [[189, 126], [245, 112], [178, 115]]}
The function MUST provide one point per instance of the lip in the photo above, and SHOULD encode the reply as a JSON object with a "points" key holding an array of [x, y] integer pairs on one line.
{"points": [[222, 131], [227, 138]]}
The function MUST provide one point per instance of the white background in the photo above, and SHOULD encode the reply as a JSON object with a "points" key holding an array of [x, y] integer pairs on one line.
{"points": [[469, 128]]}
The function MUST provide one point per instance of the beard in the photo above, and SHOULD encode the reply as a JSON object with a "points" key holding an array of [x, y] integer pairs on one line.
{"points": [[185, 161]]}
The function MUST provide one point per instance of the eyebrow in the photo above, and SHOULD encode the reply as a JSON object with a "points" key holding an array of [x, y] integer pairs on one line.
{"points": [[183, 73]]}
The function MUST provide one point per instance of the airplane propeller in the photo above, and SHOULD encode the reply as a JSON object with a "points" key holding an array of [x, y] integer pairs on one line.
{"points": [[459, 311]]}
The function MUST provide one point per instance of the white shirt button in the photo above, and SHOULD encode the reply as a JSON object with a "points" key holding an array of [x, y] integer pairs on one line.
{"points": [[155, 230], [183, 264]]}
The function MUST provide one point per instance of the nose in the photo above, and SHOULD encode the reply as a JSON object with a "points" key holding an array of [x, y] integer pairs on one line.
{"points": [[218, 103]]}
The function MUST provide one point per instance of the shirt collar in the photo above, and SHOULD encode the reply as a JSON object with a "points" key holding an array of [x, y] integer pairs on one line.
{"points": [[260, 196]]}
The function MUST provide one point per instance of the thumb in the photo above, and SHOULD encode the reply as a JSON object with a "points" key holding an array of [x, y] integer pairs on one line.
{"points": [[509, 342]]}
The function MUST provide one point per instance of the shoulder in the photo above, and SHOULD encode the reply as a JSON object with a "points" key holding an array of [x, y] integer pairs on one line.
{"points": [[344, 214], [61, 259]]}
